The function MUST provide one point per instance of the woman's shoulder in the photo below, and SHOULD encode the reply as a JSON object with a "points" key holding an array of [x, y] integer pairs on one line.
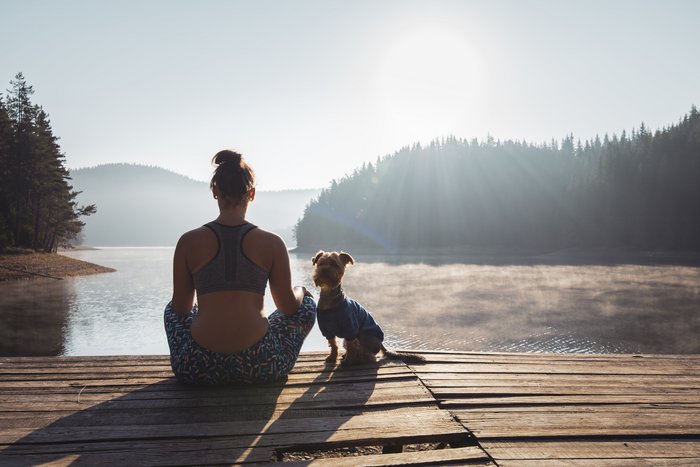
{"points": [[194, 235], [270, 238]]}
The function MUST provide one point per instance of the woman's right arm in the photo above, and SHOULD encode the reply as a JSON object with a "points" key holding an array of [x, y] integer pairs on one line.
{"points": [[183, 286], [287, 299]]}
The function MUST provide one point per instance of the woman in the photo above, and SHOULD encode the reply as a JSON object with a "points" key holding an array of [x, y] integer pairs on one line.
{"points": [[225, 337]]}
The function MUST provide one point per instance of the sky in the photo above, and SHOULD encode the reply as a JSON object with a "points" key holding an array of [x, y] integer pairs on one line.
{"points": [[310, 90]]}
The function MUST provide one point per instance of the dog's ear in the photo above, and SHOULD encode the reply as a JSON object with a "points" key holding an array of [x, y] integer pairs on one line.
{"points": [[316, 257], [346, 258]]}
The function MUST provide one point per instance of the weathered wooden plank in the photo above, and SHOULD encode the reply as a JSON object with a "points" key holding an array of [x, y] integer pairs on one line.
{"points": [[305, 359], [163, 383], [665, 408], [254, 418], [153, 457], [319, 356], [435, 421], [551, 400], [472, 455], [172, 448], [693, 462], [222, 451], [499, 379], [147, 379], [206, 393], [67, 367], [250, 448], [556, 368], [76, 362], [49, 374], [81, 370], [213, 392], [556, 358], [600, 449], [264, 426], [451, 392], [405, 397], [122, 374], [37, 420], [594, 423], [542, 355], [163, 415]]}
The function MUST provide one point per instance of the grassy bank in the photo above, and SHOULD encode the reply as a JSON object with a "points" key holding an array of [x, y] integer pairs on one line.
{"points": [[31, 265]]}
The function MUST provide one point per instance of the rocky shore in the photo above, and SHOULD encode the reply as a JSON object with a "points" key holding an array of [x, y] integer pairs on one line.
{"points": [[31, 265]]}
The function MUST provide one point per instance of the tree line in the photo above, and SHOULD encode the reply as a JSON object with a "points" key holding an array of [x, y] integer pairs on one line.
{"points": [[38, 207], [640, 190]]}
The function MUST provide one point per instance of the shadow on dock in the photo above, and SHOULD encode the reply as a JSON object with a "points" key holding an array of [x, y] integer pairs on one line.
{"points": [[131, 410], [121, 418]]}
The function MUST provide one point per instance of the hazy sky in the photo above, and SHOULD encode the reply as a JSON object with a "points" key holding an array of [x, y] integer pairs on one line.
{"points": [[309, 90]]}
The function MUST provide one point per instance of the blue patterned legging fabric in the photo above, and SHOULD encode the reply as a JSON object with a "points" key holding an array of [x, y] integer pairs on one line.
{"points": [[270, 359]]}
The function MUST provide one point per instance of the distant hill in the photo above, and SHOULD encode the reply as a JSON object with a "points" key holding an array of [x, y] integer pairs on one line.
{"points": [[148, 206]]}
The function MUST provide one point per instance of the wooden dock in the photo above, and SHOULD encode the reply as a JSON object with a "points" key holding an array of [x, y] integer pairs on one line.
{"points": [[457, 408]]}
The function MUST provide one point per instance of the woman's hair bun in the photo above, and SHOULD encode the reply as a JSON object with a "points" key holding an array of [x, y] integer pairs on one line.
{"points": [[227, 155], [233, 178]]}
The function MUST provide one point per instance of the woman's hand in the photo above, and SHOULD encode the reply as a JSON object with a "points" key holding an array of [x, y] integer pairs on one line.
{"points": [[305, 291], [300, 292]]}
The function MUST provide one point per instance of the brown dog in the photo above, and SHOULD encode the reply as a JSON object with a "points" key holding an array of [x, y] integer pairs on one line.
{"points": [[340, 316]]}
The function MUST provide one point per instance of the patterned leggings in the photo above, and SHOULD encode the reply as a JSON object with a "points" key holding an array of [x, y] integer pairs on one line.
{"points": [[270, 359]]}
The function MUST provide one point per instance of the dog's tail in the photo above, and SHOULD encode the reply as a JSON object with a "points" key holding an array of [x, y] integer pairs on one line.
{"points": [[405, 357]]}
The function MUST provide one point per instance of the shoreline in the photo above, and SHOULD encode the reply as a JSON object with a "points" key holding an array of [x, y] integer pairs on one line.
{"points": [[507, 257], [31, 266]]}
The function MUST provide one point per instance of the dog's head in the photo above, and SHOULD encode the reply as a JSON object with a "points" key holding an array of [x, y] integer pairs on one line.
{"points": [[330, 267]]}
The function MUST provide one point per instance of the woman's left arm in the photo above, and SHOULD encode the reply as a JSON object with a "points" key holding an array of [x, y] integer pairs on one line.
{"points": [[183, 286]]}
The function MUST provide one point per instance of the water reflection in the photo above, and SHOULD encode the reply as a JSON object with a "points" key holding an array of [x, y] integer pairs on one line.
{"points": [[122, 312], [431, 304], [34, 316]]}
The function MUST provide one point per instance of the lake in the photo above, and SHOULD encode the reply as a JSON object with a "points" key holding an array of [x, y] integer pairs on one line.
{"points": [[437, 303]]}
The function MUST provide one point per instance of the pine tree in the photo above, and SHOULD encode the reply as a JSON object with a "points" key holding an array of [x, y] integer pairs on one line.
{"points": [[5, 181], [21, 116], [39, 208]]}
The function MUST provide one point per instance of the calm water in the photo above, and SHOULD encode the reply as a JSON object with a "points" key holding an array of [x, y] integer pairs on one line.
{"points": [[427, 304]]}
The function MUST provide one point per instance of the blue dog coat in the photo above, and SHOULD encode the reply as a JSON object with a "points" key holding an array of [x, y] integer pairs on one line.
{"points": [[347, 320]]}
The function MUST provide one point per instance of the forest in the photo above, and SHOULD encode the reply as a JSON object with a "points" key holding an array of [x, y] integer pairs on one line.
{"points": [[38, 207], [638, 190]]}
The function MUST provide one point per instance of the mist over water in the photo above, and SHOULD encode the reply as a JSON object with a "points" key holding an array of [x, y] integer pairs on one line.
{"points": [[534, 308], [423, 304]]}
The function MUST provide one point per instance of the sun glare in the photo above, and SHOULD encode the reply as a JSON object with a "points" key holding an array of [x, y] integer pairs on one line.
{"points": [[428, 83]]}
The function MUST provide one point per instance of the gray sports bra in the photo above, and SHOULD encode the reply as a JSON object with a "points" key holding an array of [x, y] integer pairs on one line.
{"points": [[230, 269]]}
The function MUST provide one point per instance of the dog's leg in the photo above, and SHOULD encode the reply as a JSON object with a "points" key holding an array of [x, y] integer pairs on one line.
{"points": [[369, 346], [352, 348], [333, 344]]}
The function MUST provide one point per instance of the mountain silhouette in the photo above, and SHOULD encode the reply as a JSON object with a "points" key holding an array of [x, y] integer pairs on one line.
{"points": [[140, 205]]}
